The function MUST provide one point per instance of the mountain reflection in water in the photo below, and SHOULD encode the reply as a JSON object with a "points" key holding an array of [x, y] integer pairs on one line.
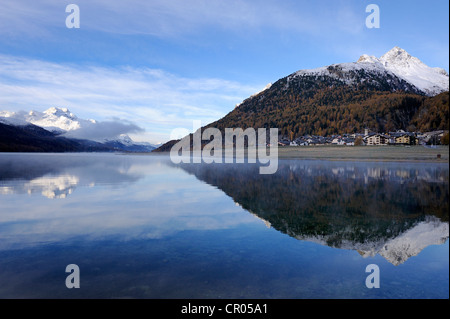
{"points": [[393, 209], [58, 175]]}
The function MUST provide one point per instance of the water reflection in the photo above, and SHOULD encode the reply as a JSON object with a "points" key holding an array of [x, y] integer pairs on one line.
{"points": [[394, 210], [55, 198], [50, 187], [58, 175], [141, 227]]}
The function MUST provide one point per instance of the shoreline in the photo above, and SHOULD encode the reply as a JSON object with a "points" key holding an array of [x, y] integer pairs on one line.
{"points": [[415, 153]]}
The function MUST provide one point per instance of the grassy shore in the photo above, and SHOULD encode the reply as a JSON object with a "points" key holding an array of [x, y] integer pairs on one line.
{"points": [[438, 154]]}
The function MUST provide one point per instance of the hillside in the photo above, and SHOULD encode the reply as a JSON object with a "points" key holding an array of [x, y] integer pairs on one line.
{"points": [[339, 110], [32, 138], [432, 114]]}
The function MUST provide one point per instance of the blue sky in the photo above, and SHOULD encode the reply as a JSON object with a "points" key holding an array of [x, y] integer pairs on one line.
{"points": [[163, 63]]}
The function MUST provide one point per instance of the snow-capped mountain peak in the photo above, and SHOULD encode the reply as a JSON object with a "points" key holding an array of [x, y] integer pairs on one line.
{"points": [[54, 119], [124, 139], [398, 56], [369, 71], [368, 59], [54, 111], [430, 81], [396, 67], [59, 120]]}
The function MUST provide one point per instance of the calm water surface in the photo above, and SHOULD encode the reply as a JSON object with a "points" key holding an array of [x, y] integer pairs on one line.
{"points": [[141, 227]]}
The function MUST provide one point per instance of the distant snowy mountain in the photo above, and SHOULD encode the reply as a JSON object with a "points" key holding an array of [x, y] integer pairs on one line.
{"points": [[124, 139], [125, 143], [431, 81], [58, 120], [62, 122]]}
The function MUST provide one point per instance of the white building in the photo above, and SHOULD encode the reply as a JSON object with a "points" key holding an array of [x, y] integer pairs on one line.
{"points": [[376, 139]]}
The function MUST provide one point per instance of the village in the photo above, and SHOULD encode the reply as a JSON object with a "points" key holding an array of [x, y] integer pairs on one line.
{"points": [[399, 137]]}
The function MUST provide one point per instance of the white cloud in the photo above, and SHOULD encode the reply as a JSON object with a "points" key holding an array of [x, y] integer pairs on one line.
{"points": [[155, 100], [100, 131]]}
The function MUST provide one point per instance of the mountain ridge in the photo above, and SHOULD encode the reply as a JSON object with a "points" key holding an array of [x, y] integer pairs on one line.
{"points": [[32, 138], [57, 130]]}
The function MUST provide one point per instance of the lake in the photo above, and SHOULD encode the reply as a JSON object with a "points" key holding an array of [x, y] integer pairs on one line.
{"points": [[138, 226]]}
